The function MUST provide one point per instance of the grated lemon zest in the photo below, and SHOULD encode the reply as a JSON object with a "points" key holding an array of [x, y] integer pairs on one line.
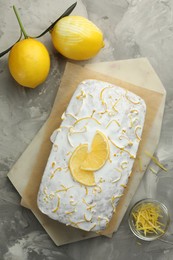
{"points": [[132, 101], [136, 128], [146, 219], [57, 207], [154, 159], [85, 118], [114, 120]]}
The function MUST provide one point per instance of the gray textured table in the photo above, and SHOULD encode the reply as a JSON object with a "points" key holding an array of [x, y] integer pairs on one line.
{"points": [[132, 28]]}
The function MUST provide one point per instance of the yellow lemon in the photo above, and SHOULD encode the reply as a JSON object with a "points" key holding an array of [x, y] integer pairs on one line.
{"points": [[29, 62], [77, 157], [98, 155], [77, 38]]}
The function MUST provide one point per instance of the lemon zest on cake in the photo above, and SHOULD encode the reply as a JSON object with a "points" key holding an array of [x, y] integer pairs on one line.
{"points": [[124, 163], [86, 190], [134, 111], [136, 129], [70, 212], [116, 102], [57, 169], [118, 170], [73, 203], [116, 180], [85, 118], [119, 147], [97, 189], [53, 164], [64, 189], [92, 227], [127, 138], [111, 121], [63, 116], [91, 206], [57, 207], [81, 95], [69, 114], [101, 93], [87, 220], [130, 100], [68, 137], [123, 185], [156, 161]]}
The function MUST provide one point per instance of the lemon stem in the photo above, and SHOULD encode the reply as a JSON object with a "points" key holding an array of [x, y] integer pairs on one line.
{"points": [[20, 23]]}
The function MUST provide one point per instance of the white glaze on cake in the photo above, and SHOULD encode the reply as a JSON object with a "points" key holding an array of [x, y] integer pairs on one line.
{"points": [[120, 115]]}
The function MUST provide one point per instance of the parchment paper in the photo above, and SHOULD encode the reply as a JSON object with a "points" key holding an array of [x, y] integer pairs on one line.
{"points": [[34, 159]]}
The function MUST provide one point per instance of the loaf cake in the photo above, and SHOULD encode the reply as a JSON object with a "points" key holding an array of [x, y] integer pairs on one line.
{"points": [[92, 155]]}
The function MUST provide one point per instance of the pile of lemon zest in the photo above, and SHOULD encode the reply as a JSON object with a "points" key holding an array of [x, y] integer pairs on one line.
{"points": [[153, 170], [68, 138], [57, 169], [122, 165], [146, 219], [134, 111], [69, 114], [70, 212], [136, 128], [92, 227], [86, 190], [132, 101], [87, 220], [123, 185], [116, 180], [114, 120], [85, 118], [57, 207], [154, 159]]}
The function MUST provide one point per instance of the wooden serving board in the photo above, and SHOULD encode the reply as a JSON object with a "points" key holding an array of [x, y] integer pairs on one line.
{"points": [[27, 172]]}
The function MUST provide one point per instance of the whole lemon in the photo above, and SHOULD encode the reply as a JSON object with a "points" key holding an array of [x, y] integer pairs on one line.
{"points": [[29, 62], [77, 38]]}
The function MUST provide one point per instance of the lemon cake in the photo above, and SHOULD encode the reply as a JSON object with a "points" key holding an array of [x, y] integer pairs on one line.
{"points": [[92, 155]]}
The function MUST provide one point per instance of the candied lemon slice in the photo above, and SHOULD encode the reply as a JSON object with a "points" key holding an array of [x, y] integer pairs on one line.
{"points": [[76, 159], [99, 154]]}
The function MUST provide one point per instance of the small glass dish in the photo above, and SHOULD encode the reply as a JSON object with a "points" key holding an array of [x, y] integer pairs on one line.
{"points": [[163, 219]]}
